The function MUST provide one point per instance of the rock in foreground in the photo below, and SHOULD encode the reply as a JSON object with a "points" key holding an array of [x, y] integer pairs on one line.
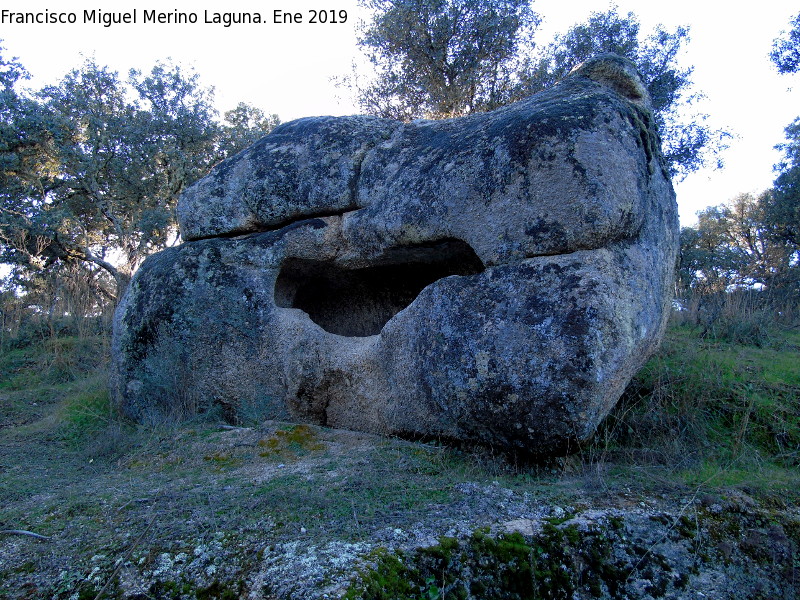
{"points": [[496, 278]]}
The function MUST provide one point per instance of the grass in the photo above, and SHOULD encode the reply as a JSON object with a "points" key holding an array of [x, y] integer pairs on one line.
{"points": [[51, 361], [385, 486], [708, 413], [708, 409], [704, 408], [709, 405], [86, 413]]}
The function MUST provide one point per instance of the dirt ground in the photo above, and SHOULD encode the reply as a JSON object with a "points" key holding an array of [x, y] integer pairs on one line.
{"points": [[292, 511]]}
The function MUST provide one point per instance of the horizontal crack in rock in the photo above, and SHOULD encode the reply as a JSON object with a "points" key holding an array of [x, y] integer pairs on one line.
{"points": [[283, 226]]}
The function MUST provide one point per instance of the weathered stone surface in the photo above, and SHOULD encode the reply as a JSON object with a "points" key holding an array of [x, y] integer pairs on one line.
{"points": [[496, 278]]}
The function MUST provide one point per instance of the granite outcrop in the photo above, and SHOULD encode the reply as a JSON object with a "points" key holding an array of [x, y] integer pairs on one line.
{"points": [[495, 279]]}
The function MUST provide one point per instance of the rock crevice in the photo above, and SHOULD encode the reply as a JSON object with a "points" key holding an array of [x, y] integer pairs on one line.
{"points": [[359, 302]]}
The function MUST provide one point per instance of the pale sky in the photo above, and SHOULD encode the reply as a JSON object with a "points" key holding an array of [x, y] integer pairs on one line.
{"points": [[287, 68]]}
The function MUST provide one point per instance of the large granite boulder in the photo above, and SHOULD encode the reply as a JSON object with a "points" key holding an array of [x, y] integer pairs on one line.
{"points": [[496, 278]]}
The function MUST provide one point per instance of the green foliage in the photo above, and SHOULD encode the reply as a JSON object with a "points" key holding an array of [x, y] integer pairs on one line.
{"points": [[786, 49], [556, 563], [220, 591], [782, 207], [72, 585], [117, 165], [62, 380], [92, 166], [441, 58], [62, 370], [243, 126], [389, 580], [177, 590], [444, 58], [688, 143], [51, 361], [711, 405], [738, 244]]}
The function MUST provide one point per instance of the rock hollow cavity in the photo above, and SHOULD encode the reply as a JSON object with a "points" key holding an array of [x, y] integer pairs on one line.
{"points": [[359, 302]]}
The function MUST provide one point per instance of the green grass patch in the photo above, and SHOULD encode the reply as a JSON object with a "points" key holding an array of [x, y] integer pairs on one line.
{"points": [[389, 485], [704, 408], [711, 410], [57, 387], [290, 443], [51, 361], [85, 413], [16, 366], [557, 563]]}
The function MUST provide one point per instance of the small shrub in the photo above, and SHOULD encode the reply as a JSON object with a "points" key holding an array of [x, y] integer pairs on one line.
{"points": [[70, 358], [746, 317], [750, 329]]}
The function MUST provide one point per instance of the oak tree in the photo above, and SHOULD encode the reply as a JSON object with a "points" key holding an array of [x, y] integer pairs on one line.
{"points": [[441, 58], [94, 165], [445, 58], [688, 141], [786, 48]]}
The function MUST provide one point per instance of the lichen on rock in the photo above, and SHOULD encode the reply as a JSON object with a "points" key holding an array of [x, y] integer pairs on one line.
{"points": [[496, 278]]}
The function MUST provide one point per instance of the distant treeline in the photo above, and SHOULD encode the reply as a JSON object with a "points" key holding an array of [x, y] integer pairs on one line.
{"points": [[91, 167]]}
